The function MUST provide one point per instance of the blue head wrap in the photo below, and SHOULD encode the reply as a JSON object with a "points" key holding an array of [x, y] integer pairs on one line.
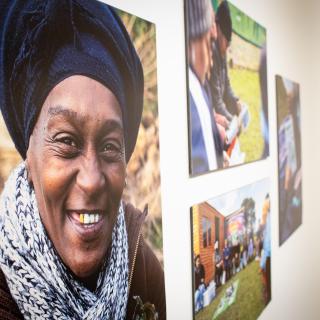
{"points": [[42, 42]]}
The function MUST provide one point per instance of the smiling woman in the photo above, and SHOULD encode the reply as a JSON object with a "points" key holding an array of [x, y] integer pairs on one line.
{"points": [[71, 94]]}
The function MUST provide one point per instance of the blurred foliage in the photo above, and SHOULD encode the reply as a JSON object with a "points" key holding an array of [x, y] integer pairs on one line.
{"points": [[143, 35], [143, 170], [249, 206], [144, 311]]}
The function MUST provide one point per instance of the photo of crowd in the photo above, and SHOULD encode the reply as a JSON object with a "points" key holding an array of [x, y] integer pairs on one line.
{"points": [[227, 86], [289, 157], [231, 238]]}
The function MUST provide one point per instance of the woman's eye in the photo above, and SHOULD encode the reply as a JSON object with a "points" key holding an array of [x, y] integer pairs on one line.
{"points": [[66, 145], [110, 147], [112, 151], [68, 141]]}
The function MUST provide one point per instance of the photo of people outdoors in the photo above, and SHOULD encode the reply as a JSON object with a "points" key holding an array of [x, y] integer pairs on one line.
{"points": [[80, 204], [227, 86], [289, 157], [231, 239]]}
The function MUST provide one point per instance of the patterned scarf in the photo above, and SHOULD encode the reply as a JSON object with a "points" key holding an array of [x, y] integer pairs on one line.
{"points": [[38, 280]]}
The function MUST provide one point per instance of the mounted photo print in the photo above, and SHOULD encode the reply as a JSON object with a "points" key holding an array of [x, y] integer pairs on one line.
{"points": [[80, 205], [227, 86], [231, 249], [289, 157]]}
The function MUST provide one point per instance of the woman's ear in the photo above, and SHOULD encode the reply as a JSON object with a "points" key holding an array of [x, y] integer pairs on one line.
{"points": [[29, 156], [29, 177]]}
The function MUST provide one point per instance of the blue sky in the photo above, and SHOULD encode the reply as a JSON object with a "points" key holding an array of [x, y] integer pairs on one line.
{"points": [[231, 201]]}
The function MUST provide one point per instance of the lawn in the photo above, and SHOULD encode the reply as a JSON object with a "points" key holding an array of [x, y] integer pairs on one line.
{"points": [[246, 86], [249, 301]]}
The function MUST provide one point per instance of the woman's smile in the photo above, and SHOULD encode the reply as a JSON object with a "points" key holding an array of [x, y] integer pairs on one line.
{"points": [[87, 223]]}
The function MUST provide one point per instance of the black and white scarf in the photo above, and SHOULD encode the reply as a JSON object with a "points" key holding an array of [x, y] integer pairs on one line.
{"points": [[37, 278]]}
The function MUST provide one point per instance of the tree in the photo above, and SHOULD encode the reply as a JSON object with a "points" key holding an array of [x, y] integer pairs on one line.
{"points": [[249, 214]]}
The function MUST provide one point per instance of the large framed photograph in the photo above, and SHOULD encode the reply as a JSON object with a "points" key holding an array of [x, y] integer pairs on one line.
{"points": [[80, 205], [226, 85], [231, 250], [289, 157]]}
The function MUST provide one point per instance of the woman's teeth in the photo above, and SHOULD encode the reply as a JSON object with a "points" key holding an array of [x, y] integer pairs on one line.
{"points": [[89, 218]]}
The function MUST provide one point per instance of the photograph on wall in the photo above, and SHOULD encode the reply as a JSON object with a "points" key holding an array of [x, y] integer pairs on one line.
{"points": [[289, 157], [80, 204], [226, 85], [231, 251]]}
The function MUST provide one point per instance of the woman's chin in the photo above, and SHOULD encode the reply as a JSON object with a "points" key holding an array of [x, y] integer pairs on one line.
{"points": [[84, 267], [84, 258]]}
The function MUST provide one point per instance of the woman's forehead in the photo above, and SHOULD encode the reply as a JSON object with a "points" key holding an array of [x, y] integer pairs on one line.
{"points": [[110, 121], [81, 98]]}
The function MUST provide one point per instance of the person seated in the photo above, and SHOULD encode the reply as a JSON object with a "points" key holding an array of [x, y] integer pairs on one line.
{"points": [[225, 102], [199, 283]]}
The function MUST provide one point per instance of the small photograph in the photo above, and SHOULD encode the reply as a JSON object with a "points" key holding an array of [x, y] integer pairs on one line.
{"points": [[80, 204], [227, 86], [231, 239], [289, 157]]}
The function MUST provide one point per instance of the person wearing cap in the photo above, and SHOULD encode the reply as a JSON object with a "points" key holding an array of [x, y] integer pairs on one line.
{"points": [[206, 145], [71, 95], [225, 103]]}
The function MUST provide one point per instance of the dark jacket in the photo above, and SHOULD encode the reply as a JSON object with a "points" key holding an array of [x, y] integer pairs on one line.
{"points": [[223, 99], [146, 278], [199, 275]]}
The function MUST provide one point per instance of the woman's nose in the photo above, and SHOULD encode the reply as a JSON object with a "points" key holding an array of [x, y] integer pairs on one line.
{"points": [[90, 177]]}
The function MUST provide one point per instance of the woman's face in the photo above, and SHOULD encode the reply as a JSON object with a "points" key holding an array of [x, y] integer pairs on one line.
{"points": [[76, 163]]}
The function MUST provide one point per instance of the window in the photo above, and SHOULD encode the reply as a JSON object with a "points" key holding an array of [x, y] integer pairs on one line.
{"points": [[206, 232], [217, 230]]}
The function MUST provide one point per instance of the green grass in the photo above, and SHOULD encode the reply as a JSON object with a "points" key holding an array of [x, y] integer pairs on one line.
{"points": [[249, 300], [245, 84]]}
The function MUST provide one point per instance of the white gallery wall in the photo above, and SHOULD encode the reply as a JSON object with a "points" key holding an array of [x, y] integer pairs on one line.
{"points": [[293, 51]]}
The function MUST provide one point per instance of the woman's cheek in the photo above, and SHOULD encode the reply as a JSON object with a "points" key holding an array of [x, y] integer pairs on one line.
{"points": [[55, 180], [116, 175]]}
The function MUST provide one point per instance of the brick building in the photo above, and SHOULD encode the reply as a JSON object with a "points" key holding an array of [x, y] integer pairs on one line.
{"points": [[208, 227]]}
